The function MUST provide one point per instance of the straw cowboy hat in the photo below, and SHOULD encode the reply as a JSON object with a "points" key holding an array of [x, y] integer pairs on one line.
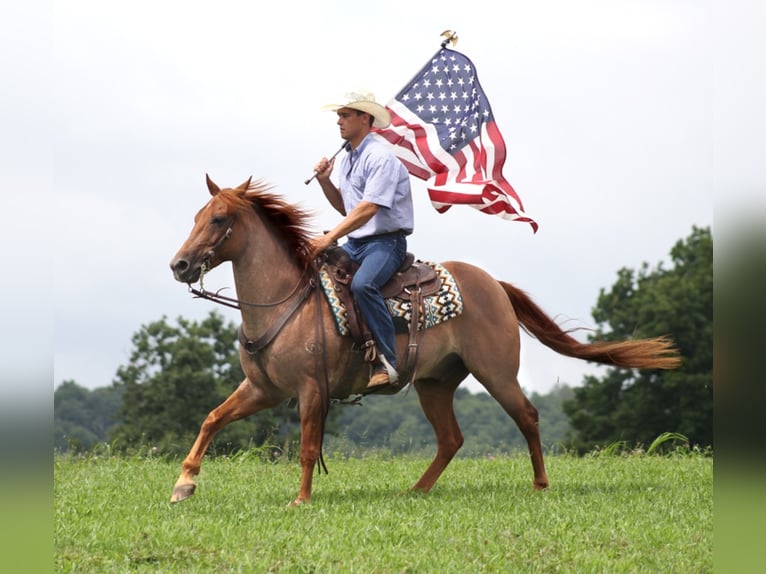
{"points": [[364, 102]]}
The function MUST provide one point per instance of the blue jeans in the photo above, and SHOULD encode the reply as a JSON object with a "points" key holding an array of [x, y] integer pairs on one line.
{"points": [[379, 256]]}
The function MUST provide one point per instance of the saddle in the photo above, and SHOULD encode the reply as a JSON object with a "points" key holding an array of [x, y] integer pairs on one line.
{"points": [[412, 282]]}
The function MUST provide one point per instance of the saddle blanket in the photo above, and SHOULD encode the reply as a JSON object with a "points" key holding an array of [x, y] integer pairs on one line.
{"points": [[445, 304]]}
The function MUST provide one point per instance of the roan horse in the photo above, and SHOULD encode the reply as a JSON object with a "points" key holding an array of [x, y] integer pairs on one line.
{"points": [[298, 354]]}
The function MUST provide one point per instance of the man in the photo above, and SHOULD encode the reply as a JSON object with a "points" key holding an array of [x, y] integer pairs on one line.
{"points": [[374, 196]]}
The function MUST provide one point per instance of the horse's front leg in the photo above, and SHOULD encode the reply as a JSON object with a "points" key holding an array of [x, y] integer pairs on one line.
{"points": [[243, 402], [312, 425]]}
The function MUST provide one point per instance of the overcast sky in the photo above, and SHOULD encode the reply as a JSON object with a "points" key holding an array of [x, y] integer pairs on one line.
{"points": [[612, 113]]}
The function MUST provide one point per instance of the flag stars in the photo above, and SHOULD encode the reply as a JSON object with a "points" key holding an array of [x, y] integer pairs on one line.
{"points": [[448, 97], [449, 104]]}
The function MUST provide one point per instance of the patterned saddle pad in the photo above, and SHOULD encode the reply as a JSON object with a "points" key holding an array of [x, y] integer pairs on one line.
{"points": [[445, 304]]}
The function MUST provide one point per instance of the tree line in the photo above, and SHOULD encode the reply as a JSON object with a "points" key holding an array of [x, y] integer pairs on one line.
{"points": [[177, 372]]}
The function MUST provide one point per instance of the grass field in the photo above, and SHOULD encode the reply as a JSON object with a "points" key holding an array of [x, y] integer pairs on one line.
{"points": [[603, 513]]}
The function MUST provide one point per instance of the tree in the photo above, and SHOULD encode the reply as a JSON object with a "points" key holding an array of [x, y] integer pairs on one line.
{"points": [[81, 417], [637, 406], [176, 375]]}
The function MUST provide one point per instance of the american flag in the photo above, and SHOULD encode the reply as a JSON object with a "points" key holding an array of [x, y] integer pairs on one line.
{"points": [[444, 132]]}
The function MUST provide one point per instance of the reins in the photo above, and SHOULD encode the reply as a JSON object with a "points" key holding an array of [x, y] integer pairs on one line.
{"points": [[216, 297], [324, 389]]}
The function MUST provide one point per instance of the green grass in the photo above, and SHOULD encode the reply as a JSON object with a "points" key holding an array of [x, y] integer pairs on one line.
{"points": [[603, 513]]}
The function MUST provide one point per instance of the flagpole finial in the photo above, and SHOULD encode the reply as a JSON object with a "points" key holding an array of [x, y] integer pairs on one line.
{"points": [[450, 37]]}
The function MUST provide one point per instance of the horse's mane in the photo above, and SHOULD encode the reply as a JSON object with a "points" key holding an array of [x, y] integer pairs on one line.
{"points": [[288, 221]]}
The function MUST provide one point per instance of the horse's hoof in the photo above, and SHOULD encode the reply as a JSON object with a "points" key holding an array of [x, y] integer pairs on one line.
{"points": [[182, 492], [540, 485], [297, 502]]}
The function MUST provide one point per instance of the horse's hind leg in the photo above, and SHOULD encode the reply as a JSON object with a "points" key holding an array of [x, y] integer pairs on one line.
{"points": [[517, 405], [243, 402], [488, 342], [436, 399]]}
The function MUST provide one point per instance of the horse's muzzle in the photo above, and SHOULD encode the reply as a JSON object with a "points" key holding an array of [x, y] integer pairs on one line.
{"points": [[184, 271]]}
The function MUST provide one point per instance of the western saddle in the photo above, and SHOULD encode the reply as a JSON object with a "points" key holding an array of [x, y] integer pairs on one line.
{"points": [[412, 282]]}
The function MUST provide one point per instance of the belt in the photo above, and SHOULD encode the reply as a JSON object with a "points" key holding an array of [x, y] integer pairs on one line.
{"points": [[400, 232]]}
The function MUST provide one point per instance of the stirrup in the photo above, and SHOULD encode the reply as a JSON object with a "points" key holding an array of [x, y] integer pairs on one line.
{"points": [[393, 376]]}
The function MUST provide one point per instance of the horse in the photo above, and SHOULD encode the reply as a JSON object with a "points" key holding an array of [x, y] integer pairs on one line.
{"points": [[291, 350]]}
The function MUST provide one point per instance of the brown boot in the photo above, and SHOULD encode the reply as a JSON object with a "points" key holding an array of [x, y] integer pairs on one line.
{"points": [[379, 377]]}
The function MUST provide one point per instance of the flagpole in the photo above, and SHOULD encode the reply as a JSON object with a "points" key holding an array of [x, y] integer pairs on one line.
{"points": [[316, 173]]}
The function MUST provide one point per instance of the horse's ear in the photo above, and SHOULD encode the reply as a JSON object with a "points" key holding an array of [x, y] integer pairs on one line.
{"points": [[212, 187], [243, 187]]}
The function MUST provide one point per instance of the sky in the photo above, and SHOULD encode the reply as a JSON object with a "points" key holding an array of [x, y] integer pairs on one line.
{"points": [[622, 120]]}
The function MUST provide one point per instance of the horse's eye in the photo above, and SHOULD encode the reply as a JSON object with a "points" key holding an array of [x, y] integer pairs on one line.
{"points": [[217, 219]]}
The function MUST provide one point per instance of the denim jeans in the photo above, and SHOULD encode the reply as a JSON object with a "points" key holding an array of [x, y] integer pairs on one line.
{"points": [[379, 256]]}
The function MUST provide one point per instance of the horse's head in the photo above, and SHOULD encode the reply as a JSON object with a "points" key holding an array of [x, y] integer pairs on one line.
{"points": [[205, 248]]}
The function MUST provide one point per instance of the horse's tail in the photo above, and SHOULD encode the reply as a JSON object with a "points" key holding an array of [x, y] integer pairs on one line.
{"points": [[654, 353]]}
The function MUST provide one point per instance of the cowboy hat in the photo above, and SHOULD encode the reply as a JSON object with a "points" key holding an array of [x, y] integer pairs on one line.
{"points": [[364, 102]]}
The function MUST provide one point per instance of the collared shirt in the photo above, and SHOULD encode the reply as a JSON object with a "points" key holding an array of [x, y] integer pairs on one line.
{"points": [[373, 173]]}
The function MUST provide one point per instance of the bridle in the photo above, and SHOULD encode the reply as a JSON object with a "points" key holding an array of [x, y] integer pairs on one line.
{"points": [[205, 267], [253, 347], [216, 296]]}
